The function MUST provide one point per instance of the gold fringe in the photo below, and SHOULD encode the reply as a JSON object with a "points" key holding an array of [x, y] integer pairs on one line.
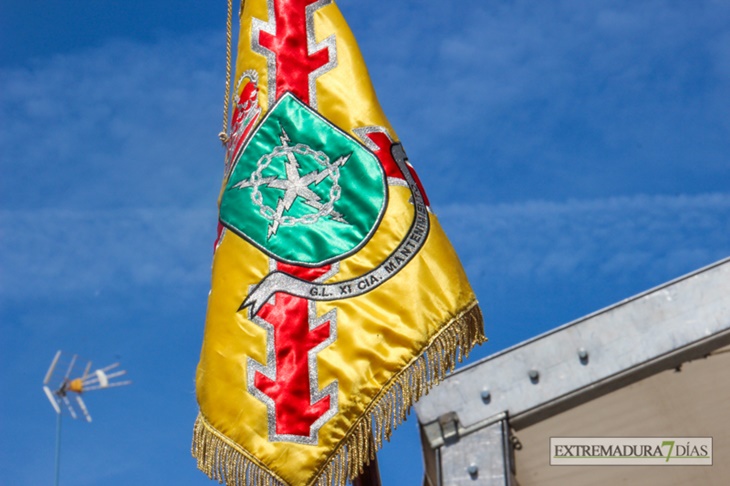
{"points": [[222, 461], [227, 463]]}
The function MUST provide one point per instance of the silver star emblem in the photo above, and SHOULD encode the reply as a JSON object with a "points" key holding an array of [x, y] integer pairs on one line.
{"points": [[295, 186]]}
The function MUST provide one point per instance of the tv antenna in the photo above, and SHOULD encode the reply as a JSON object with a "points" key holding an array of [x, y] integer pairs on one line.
{"points": [[59, 386]]}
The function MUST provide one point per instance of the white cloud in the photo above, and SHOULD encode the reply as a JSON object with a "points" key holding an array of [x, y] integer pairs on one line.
{"points": [[62, 252], [507, 100], [516, 100], [47, 252], [616, 239], [123, 125]]}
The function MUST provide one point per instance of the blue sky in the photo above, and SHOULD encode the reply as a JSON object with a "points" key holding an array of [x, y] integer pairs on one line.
{"points": [[576, 152]]}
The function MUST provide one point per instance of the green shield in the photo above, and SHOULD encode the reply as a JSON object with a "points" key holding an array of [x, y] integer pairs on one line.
{"points": [[302, 190]]}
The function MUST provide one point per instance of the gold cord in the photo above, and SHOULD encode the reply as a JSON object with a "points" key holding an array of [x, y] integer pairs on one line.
{"points": [[223, 135]]}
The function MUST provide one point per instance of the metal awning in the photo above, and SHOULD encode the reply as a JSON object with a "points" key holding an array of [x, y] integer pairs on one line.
{"points": [[653, 365]]}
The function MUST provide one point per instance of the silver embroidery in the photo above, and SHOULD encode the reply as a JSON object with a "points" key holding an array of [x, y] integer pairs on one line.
{"points": [[295, 185], [404, 253], [269, 370], [363, 132], [257, 26], [313, 47]]}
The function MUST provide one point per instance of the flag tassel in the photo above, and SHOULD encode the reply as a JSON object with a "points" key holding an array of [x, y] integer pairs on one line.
{"points": [[227, 463]]}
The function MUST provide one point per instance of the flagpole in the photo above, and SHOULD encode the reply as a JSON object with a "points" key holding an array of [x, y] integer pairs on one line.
{"points": [[370, 475]]}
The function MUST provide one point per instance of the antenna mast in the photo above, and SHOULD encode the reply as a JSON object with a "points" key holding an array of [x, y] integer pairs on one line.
{"points": [[58, 388]]}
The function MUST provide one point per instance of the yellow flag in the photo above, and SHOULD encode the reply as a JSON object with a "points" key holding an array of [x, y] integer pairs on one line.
{"points": [[336, 299]]}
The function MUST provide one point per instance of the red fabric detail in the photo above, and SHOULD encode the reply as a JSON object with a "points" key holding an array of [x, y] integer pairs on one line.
{"points": [[247, 102], [218, 236], [293, 340], [385, 156], [289, 44], [290, 316], [305, 273]]}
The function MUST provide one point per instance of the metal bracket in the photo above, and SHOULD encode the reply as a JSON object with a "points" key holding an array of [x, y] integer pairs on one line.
{"points": [[449, 425], [448, 429]]}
